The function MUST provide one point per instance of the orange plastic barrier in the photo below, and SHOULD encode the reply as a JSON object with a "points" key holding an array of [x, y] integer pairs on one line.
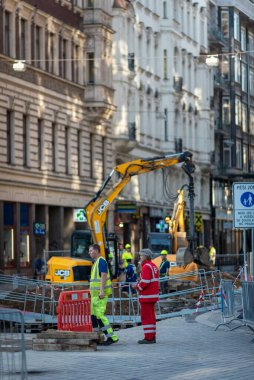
{"points": [[74, 311]]}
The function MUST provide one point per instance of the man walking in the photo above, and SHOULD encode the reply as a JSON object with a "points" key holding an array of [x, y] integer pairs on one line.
{"points": [[148, 288], [100, 289]]}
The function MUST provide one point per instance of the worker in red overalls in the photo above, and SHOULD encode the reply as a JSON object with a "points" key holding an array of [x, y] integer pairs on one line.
{"points": [[148, 288]]}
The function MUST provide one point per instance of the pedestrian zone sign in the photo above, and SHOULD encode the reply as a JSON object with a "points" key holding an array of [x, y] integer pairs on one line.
{"points": [[243, 204]]}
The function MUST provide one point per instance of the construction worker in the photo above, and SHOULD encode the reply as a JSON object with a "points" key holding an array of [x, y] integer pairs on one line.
{"points": [[126, 255], [100, 289], [164, 271], [148, 288], [130, 277], [212, 254]]}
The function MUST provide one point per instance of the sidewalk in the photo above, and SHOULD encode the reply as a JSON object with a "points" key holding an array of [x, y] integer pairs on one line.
{"points": [[187, 348]]}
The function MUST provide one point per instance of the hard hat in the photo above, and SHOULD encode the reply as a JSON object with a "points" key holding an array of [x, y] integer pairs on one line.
{"points": [[146, 252], [164, 252], [110, 256], [127, 246]]}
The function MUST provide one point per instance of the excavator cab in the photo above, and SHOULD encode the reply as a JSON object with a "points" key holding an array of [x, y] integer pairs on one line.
{"points": [[80, 242]]}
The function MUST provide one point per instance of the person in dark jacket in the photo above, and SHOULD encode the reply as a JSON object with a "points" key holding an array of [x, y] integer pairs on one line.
{"points": [[130, 276]]}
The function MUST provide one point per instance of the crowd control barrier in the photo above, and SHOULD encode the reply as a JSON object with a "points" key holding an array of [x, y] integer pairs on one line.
{"points": [[74, 311], [231, 303], [12, 345], [248, 305]]}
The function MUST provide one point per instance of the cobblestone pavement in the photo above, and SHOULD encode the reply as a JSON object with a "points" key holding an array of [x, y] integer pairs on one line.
{"points": [[187, 348]]}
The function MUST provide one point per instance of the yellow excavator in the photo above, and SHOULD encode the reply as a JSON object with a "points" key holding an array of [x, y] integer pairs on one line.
{"points": [[180, 256], [77, 267]]}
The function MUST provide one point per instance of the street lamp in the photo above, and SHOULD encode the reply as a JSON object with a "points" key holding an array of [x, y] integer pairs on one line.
{"points": [[19, 66]]}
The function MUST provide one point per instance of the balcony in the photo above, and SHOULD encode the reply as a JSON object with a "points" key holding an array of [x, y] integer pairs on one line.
{"points": [[128, 140], [216, 38], [222, 128], [97, 16], [99, 101]]}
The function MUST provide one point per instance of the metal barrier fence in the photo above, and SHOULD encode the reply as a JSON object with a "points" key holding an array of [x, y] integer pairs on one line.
{"points": [[231, 303], [38, 299], [248, 301], [12, 345]]}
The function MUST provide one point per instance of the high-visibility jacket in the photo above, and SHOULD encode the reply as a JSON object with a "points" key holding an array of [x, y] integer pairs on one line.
{"points": [[148, 285], [95, 280], [126, 256]]}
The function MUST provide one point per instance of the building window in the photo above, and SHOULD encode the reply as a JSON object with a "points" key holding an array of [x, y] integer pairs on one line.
{"points": [[238, 111], [25, 140], [104, 157], [239, 154], [236, 26], [79, 150], [7, 33], [244, 77], [37, 46], [226, 111], [225, 67], [243, 39], [165, 64], [237, 68], [54, 147], [92, 157], [252, 159], [244, 118], [131, 61], [50, 53], [40, 142], [224, 23], [90, 71], [252, 122], [90, 3], [75, 64], [245, 158], [23, 39], [226, 154], [64, 56], [251, 44], [251, 81], [165, 9], [67, 149], [9, 136]]}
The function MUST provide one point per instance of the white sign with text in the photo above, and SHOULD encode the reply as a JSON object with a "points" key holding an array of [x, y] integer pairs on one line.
{"points": [[243, 204]]}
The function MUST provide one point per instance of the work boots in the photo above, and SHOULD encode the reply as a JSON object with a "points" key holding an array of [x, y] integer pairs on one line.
{"points": [[145, 341]]}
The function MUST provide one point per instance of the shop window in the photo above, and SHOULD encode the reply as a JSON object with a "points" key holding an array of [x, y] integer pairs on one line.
{"points": [[8, 214], [8, 242], [24, 235]]}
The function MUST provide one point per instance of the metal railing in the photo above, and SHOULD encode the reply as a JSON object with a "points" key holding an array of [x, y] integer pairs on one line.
{"points": [[231, 303], [38, 300], [12, 345]]}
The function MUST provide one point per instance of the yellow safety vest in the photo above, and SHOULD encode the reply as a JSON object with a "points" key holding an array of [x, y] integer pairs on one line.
{"points": [[95, 280]]}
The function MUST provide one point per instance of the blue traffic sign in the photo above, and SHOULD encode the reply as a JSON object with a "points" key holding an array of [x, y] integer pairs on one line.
{"points": [[247, 199], [243, 204]]}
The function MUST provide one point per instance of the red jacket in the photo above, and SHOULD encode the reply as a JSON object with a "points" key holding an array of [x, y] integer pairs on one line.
{"points": [[148, 285]]}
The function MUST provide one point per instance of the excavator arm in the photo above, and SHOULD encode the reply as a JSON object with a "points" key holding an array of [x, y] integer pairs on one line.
{"points": [[97, 208]]}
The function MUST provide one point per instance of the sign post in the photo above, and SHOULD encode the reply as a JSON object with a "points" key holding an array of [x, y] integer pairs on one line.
{"points": [[243, 202]]}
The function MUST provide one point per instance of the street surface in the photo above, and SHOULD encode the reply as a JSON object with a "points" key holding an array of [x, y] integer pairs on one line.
{"points": [[187, 348]]}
